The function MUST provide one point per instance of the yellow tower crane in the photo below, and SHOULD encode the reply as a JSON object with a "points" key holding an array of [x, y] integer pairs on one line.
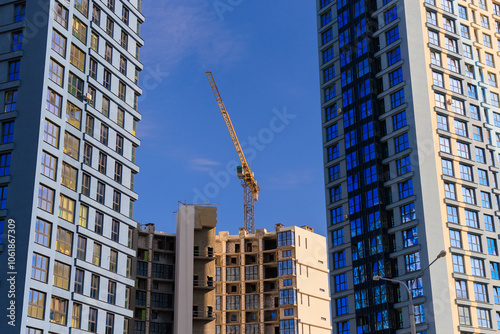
{"points": [[248, 182]]}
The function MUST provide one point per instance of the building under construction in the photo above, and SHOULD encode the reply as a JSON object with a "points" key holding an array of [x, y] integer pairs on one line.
{"points": [[272, 282], [196, 282]]}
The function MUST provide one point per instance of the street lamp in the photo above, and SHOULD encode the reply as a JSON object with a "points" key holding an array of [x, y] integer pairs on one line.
{"points": [[411, 309]]}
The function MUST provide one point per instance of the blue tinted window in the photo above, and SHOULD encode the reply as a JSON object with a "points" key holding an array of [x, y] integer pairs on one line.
{"points": [[391, 15], [392, 35], [394, 56], [399, 120]]}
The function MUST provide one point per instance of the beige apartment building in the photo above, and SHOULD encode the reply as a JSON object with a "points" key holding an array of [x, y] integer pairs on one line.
{"points": [[272, 282], [411, 129]]}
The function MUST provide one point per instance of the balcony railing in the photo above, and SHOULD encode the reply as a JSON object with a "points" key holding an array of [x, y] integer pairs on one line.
{"points": [[203, 315], [197, 283], [204, 254]]}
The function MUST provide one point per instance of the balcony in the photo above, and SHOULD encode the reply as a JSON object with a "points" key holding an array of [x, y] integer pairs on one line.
{"points": [[203, 284], [204, 315], [207, 255]]}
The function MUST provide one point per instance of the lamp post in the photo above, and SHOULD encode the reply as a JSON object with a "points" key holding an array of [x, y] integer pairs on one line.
{"points": [[411, 309]]}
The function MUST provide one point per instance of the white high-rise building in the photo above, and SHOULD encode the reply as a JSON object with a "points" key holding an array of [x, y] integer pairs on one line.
{"points": [[68, 92]]}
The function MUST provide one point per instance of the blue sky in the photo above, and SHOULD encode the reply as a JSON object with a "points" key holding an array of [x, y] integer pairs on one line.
{"points": [[263, 56]]}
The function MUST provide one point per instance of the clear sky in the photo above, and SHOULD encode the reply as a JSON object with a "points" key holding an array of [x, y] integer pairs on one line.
{"points": [[263, 55]]}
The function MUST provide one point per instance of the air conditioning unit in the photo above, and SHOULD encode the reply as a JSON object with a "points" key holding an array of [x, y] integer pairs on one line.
{"points": [[450, 102], [346, 217], [89, 97], [339, 111]]}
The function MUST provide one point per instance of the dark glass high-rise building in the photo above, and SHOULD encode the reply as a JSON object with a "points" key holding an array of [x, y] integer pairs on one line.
{"points": [[411, 129]]}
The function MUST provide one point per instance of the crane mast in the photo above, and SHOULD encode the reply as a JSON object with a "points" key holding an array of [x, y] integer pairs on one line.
{"points": [[248, 182]]}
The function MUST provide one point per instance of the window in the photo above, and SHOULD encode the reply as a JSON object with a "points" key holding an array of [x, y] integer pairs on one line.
{"points": [[99, 221], [456, 85], [77, 58], [79, 30], [110, 320], [395, 77], [480, 155], [397, 98], [56, 72], [92, 320], [340, 282], [113, 260], [71, 145], [431, 17], [48, 168], [19, 12], [81, 249], [104, 134], [45, 198], [399, 120], [122, 90], [338, 237], [82, 6], [115, 228], [43, 231], [342, 306], [485, 200], [455, 239], [458, 263], [437, 79], [405, 189], [119, 144], [36, 304], [495, 270], [401, 143], [61, 14], [39, 266], [392, 35], [472, 91], [54, 101], [410, 237], [101, 188], [109, 26], [466, 172], [94, 286], [471, 218], [61, 275], [439, 101], [123, 65], [488, 223], [403, 165], [75, 86], [461, 289], [435, 58], [447, 167], [461, 128], [447, 6], [58, 43], [433, 37], [10, 101], [51, 133], [66, 208], [452, 212], [64, 241], [79, 277], [492, 246], [483, 318], [412, 262], [76, 317], [469, 195], [408, 213], [444, 144], [116, 200], [94, 42], [339, 259], [124, 40], [73, 115], [477, 267], [474, 242], [464, 315]]}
